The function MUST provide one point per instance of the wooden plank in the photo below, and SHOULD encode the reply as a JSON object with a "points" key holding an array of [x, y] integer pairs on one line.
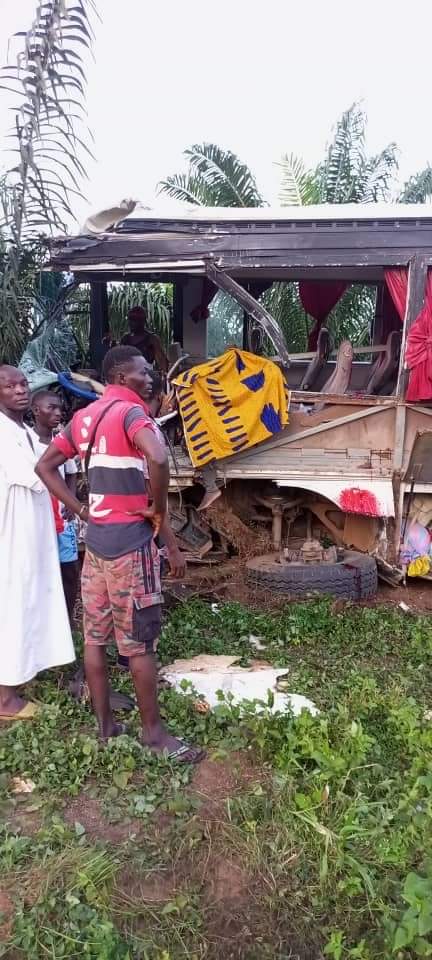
{"points": [[252, 307]]}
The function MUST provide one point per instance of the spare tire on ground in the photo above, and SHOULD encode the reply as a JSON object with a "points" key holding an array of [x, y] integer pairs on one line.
{"points": [[353, 578]]}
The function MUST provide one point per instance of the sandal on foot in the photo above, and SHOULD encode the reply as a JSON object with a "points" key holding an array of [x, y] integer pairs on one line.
{"points": [[186, 753], [28, 712]]}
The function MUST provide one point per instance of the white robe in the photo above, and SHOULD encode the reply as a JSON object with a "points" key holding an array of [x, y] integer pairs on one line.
{"points": [[34, 625]]}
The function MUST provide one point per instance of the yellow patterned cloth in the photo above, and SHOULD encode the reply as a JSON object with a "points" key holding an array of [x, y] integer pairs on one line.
{"points": [[419, 567], [231, 403]]}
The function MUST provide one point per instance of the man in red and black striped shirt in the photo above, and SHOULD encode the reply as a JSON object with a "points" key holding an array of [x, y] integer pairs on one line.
{"points": [[121, 591]]}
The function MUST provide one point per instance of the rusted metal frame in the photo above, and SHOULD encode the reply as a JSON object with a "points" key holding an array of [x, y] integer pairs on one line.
{"points": [[312, 431], [340, 400], [417, 273], [252, 307], [357, 351]]}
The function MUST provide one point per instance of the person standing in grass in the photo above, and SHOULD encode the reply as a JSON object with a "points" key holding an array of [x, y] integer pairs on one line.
{"points": [[121, 590], [166, 541], [35, 633], [47, 414]]}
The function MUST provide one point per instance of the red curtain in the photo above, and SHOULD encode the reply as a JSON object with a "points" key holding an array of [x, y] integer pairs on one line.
{"points": [[387, 318], [318, 300], [397, 283], [418, 354]]}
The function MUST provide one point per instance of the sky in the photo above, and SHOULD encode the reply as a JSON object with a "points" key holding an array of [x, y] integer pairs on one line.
{"points": [[259, 77]]}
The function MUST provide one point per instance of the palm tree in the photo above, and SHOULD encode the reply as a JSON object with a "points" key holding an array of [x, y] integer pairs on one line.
{"points": [[348, 174], [418, 189], [46, 165], [216, 178]]}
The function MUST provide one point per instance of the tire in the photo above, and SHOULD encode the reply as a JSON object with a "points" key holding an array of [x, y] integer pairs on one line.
{"points": [[353, 578]]}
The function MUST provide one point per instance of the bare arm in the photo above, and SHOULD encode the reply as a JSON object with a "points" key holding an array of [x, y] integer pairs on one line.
{"points": [[176, 558], [71, 483], [47, 470], [157, 461]]}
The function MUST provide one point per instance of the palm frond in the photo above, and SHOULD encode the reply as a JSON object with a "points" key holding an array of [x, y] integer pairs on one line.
{"points": [[231, 181], [46, 159], [353, 316], [283, 302], [375, 176], [344, 158], [186, 188], [348, 174], [49, 80], [418, 189], [298, 185], [225, 324]]}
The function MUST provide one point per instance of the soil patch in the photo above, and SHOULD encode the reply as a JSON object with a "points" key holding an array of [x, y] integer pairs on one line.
{"points": [[226, 880], [215, 781], [155, 887], [7, 910], [19, 820], [88, 812]]}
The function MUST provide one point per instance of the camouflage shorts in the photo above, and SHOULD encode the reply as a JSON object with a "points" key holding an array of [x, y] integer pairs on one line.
{"points": [[122, 600]]}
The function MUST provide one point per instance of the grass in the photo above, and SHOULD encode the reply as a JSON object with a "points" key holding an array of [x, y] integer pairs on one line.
{"points": [[303, 837]]}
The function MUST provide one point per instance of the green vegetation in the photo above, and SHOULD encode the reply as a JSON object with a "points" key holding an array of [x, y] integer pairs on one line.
{"points": [[305, 837], [43, 162]]}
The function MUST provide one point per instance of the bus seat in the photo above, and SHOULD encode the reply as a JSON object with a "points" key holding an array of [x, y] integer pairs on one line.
{"points": [[318, 361], [339, 380], [385, 369]]}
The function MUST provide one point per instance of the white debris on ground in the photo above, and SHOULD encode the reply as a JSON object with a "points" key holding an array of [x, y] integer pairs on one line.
{"points": [[209, 674], [22, 785]]}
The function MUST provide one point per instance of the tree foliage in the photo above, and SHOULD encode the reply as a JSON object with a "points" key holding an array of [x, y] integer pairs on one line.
{"points": [[216, 178], [418, 189], [298, 185], [157, 300], [45, 162], [347, 174]]}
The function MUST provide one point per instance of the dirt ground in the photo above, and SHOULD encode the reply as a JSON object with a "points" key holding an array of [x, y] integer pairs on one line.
{"points": [[227, 582]]}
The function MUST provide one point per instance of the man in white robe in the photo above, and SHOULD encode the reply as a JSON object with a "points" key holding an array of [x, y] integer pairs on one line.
{"points": [[34, 626]]}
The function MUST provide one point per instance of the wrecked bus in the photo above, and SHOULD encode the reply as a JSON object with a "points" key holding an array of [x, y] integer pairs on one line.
{"points": [[339, 487]]}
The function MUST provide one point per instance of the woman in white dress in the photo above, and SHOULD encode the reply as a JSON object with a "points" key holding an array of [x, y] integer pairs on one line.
{"points": [[34, 633]]}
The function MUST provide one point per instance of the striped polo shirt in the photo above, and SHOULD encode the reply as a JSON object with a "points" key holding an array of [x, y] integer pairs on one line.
{"points": [[117, 472]]}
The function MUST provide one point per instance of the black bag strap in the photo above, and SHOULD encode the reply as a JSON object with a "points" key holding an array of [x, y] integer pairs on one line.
{"points": [[93, 436]]}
